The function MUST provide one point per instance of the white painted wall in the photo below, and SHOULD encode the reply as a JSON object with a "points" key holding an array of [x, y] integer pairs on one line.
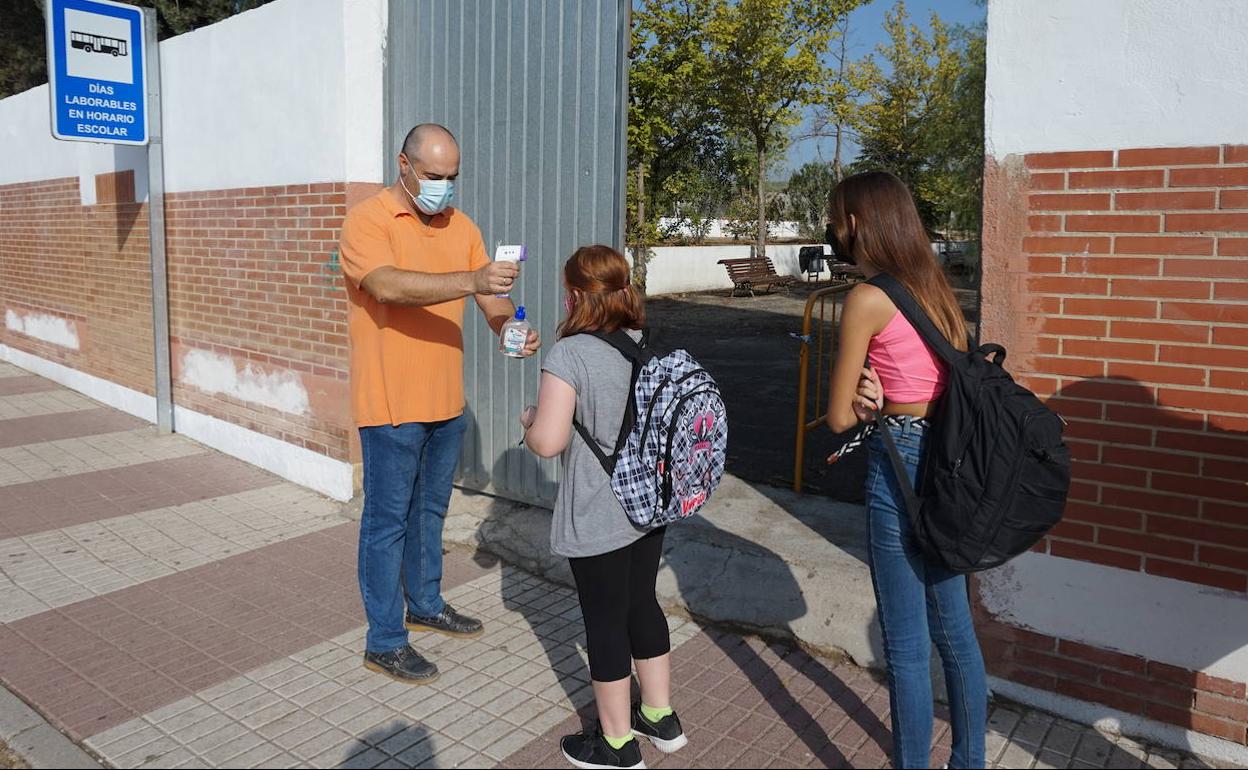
{"points": [[1192, 626], [42, 326], [215, 373], [256, 99], [681, 269], [364, 37], [29, 153], [1079, 75], [288, 93], [326, 475], [718, 228]]}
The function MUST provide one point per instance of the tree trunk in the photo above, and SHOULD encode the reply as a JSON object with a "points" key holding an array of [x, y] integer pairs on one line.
{"points": [[761, 241], [641, 196], [641, 249], [838, 171]]}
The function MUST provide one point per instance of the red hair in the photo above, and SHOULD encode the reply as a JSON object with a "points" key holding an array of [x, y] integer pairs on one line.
{"points": [[604, 298]]}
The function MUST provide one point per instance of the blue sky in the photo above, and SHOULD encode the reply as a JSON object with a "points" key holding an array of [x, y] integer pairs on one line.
{"points": [[866, 30]]}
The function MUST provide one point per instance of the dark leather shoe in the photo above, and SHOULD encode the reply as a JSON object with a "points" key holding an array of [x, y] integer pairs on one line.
{"points": [[448, 622], [402, 665]]}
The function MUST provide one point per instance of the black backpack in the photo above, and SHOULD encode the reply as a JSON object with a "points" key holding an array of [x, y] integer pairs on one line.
{"points": [[995, 473]]}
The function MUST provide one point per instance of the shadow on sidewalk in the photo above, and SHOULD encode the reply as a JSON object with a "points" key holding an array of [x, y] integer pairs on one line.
{"points": [[405, 742], [549, 616], [830, 715]]}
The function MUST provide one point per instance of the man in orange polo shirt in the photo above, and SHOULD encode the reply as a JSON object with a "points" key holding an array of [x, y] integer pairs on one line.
{"points": [[410, 260]]}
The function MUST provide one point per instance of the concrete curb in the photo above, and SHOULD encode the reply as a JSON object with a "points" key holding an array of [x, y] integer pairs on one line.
{"points": [[34, 740], [761, 561]]}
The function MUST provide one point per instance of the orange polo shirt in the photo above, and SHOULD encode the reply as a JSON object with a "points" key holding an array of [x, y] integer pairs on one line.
{"points": [[407, 363]]}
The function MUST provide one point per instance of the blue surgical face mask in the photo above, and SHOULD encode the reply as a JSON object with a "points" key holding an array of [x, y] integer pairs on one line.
{"points": [[435, 194]]}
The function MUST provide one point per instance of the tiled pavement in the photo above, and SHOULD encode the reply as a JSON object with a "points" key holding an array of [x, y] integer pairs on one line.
{"points": [[170, 607]]}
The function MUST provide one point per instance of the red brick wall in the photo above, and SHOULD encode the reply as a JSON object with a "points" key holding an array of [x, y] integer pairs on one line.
{"points": [[88, 265], [1132, 684], [252, 275], [1137, 285], [1118, 278]]}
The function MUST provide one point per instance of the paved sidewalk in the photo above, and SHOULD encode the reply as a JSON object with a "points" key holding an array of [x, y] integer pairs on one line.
{"points": [[166, 606]]}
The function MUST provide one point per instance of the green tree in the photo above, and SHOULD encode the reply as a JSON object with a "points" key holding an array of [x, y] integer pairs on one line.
{"points": [[23, 62], [766, 61], [696, 187], [179, 16], [958, 136], [673, 132], [807, 197], [836, 113], [903, 120], [23, 47]]}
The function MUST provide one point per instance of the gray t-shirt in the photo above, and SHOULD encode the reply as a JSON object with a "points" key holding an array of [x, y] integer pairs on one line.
{"points": [[589, 520]]}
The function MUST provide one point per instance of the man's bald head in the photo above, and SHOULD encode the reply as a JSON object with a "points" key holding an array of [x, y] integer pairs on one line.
{"points": [[429, 140]]}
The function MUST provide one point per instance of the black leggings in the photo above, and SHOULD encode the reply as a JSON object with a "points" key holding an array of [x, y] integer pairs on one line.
{"points": [[623, 620]]}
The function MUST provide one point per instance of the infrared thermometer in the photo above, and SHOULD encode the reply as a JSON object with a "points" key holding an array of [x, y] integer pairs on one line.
{"points": [[510, 253]]}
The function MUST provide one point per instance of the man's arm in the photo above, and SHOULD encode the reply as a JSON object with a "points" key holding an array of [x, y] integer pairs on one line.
{"points": [[497, 310], [391, 285]]}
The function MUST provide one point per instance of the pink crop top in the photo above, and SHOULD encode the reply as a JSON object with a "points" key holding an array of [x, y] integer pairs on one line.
{"points": [[909, 371]]}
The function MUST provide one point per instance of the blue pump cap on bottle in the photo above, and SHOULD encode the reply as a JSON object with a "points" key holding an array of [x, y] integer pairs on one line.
{"points": [[520, 313]]}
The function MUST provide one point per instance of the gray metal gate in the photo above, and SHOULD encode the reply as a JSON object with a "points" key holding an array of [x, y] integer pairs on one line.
{"points": [[535, 91]]}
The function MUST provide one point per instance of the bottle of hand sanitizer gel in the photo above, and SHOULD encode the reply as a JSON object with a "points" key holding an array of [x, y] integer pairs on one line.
{"points": [[514, 336]]}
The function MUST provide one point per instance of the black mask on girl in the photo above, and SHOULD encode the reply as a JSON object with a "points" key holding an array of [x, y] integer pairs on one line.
{"points": [[843, 252]]}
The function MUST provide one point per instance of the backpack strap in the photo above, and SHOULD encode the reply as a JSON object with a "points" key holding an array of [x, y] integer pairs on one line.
{"points": [[918, 318], [639, 354], [909, 307], [912, 502]]}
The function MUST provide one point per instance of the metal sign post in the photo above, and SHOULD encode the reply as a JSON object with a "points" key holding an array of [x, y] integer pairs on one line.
{"points": [[104, 76], [156, 232]]}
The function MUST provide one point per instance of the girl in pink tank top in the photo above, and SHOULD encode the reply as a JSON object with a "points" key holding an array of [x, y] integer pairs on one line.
{"points": [[906, 367], [887, 377]]}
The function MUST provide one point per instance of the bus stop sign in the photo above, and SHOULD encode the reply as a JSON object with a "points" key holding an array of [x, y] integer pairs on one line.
{"points": [[97, 71]]}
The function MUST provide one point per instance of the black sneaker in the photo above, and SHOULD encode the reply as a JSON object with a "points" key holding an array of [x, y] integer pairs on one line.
{"points": [[591, 750], [402, 665], [667, 735], [448, 622]]}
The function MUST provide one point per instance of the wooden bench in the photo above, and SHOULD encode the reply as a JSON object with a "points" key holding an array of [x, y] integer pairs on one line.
{"points": [[845, 272], [749, 273]]}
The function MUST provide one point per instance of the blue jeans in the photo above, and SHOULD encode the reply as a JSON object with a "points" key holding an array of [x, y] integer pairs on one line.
{"points": [[920, 603], [408, 471]]}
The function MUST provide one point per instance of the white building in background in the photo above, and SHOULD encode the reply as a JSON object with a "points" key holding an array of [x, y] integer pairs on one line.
{"points": [[719, 229]]}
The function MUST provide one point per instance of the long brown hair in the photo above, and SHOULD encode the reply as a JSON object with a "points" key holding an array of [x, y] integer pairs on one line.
{"points": [[891, 238], [604, 298]]}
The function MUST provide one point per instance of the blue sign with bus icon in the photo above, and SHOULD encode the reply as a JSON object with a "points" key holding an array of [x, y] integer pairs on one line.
{"points": [[97, 71]]}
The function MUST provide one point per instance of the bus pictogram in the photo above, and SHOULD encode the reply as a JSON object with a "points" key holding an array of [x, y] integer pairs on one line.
{"points": [[98, 43]]}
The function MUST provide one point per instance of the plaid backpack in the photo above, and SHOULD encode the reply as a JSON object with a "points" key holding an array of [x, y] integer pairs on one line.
{"points": [[670, 453]]}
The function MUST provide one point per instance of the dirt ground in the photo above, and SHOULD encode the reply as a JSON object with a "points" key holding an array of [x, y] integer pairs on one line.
{"points": [[745, 343], [8, 759]]}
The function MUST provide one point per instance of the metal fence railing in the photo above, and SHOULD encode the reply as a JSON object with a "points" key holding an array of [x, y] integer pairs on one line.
{"points": [[823, 339]]}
